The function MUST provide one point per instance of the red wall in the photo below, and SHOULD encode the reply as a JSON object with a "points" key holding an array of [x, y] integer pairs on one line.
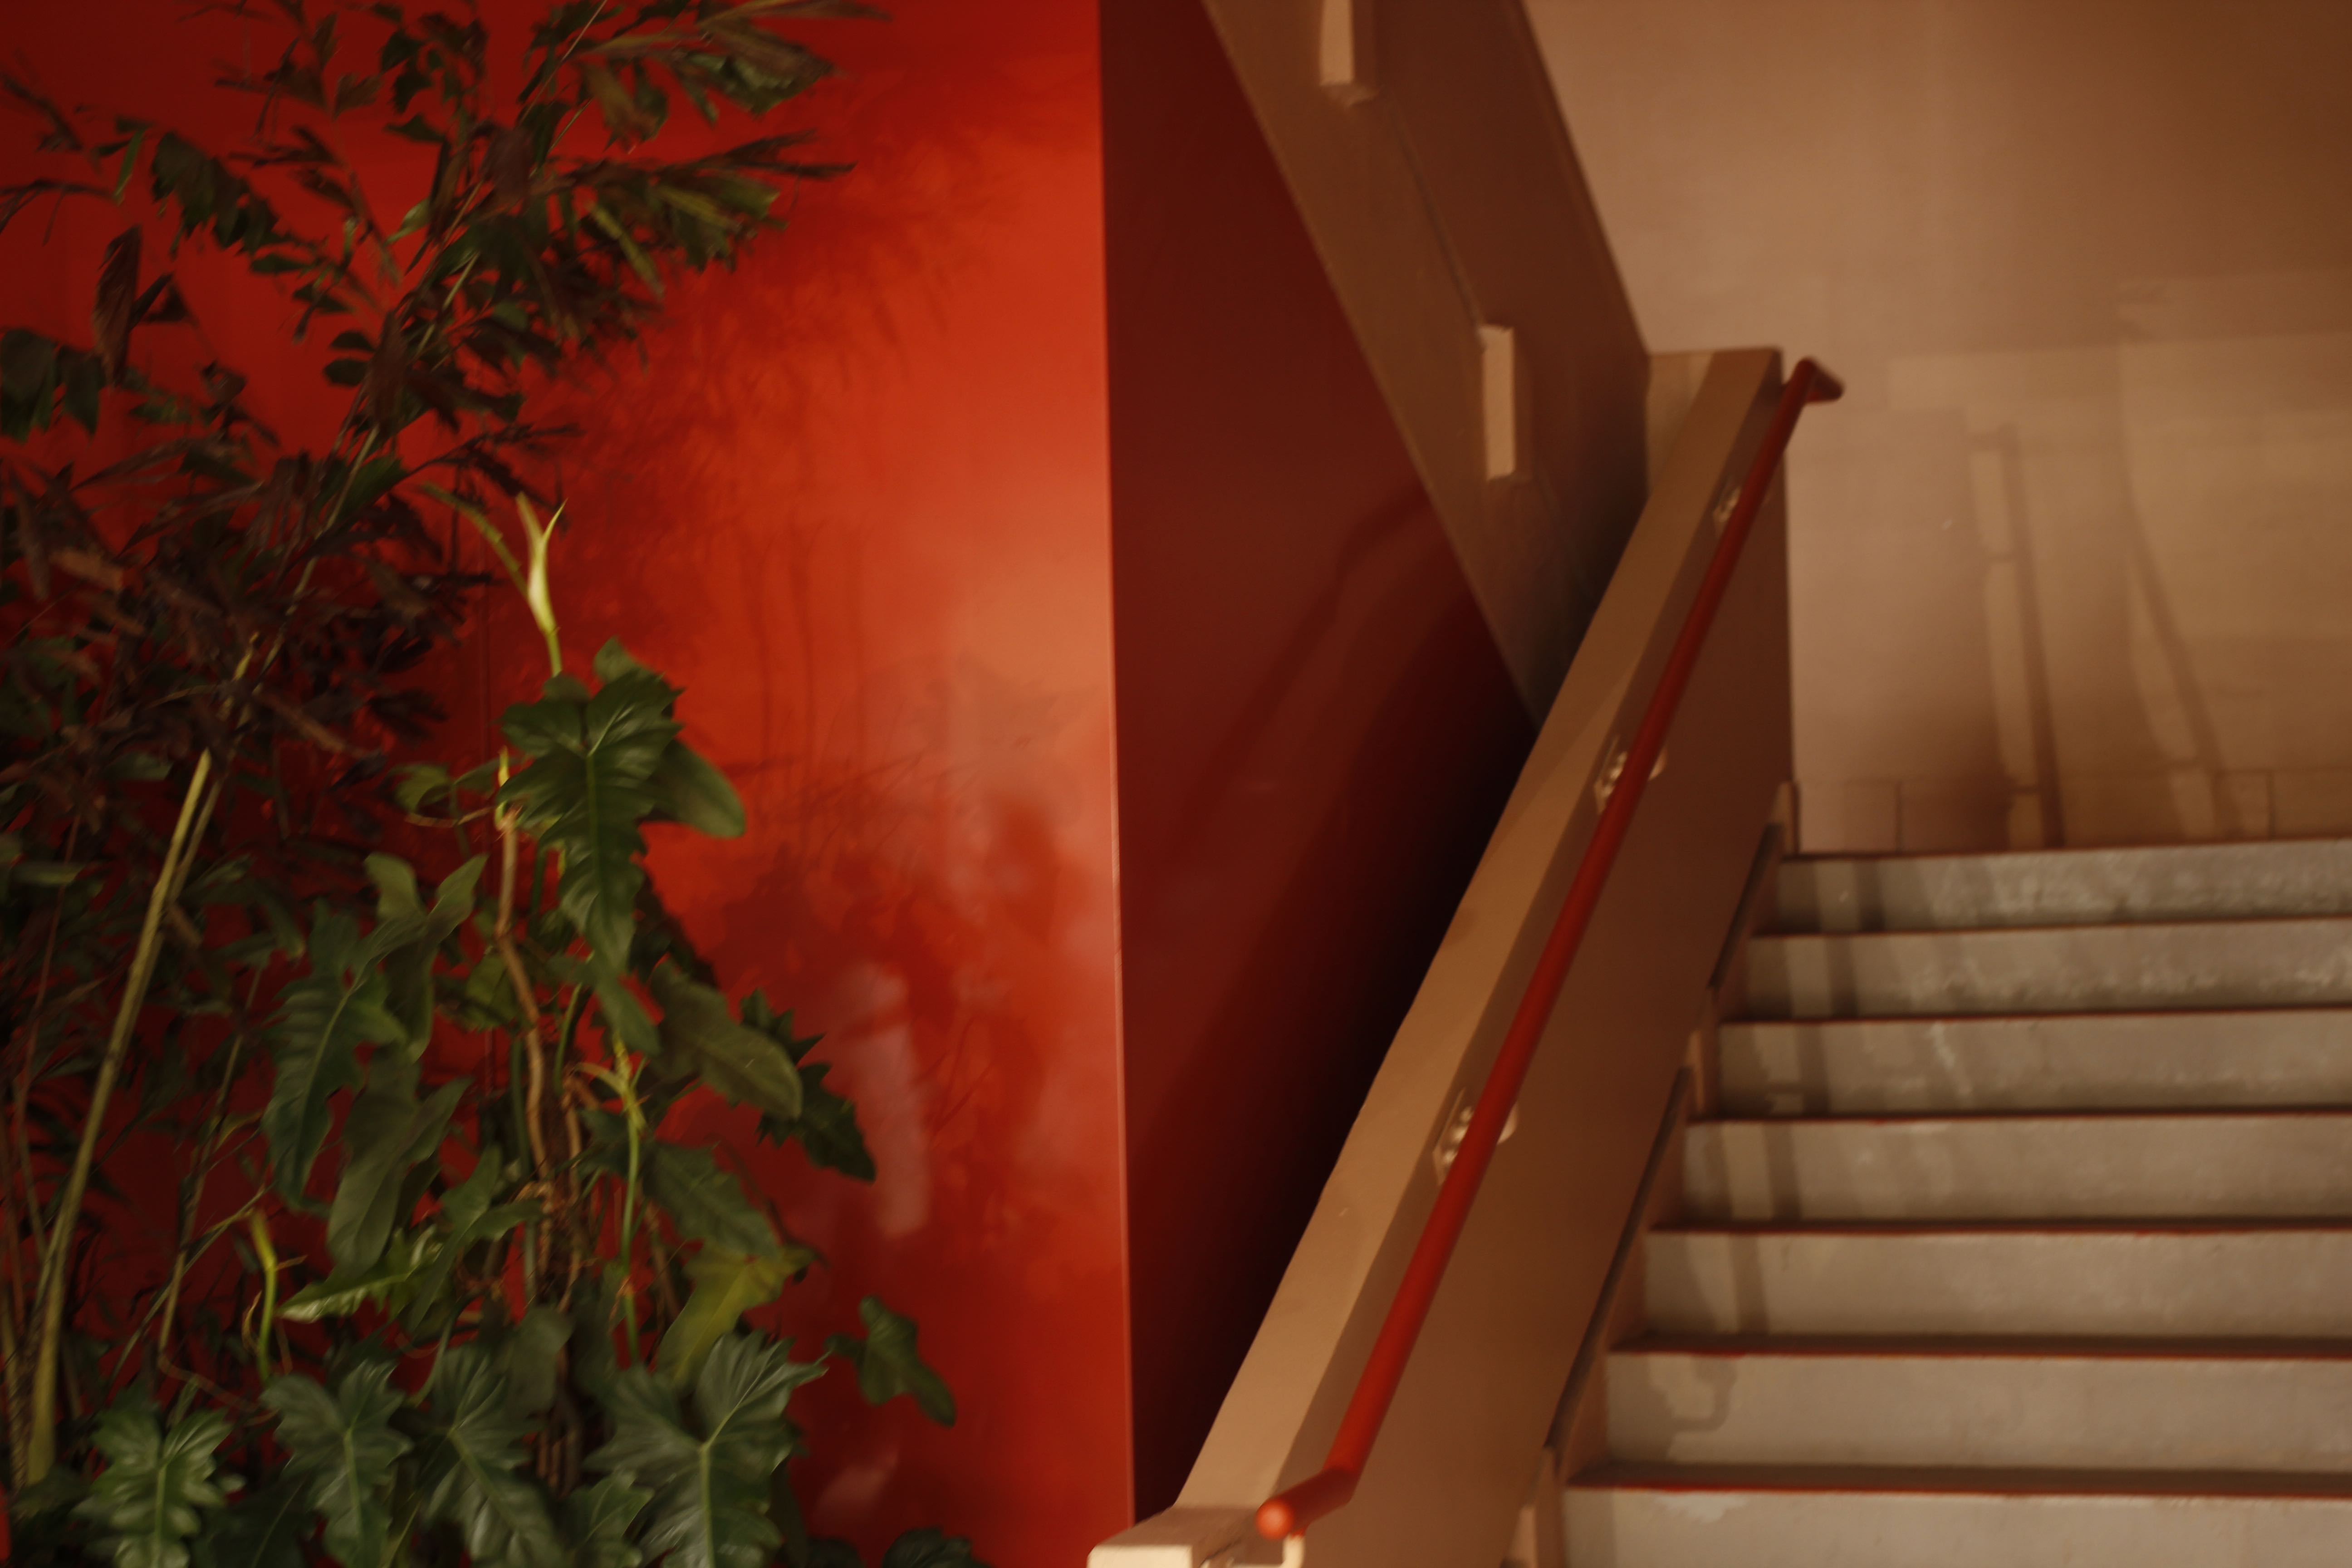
{"points": [[858, 502], [880, 454], [860, 506], [1316, 732]]}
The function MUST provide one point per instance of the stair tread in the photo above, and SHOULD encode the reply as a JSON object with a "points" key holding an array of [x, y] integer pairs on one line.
{"points": [[2238, 965], [1949, 1050], [1650, 1476], [2263, 1225], [2064, 888], [2037, 1347], [2095, 1017], [2149, 852], [2098, 1114], [2061, 928]]}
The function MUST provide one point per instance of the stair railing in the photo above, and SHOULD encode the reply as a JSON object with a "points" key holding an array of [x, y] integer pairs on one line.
{"points": [[1285, 1516]]}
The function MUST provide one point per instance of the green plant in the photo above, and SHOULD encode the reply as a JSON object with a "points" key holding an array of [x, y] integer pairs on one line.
{"points": [[412, 1313]]}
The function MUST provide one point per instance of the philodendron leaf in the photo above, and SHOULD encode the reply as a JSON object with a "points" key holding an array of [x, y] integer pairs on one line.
{"points": [[726, 1285], [397, 895], [473, 1476], [826, 1129], [470, 1216], [625, 1015], [588, 788], [57, 1492], [705, 1202], [597, 1518], [687, 788], [389, 1133], [389, 1284], [344, 1448], [614, 661], [928, 1548], [266, 1529], [418, 933], [323, 1018], [710, 1481], [888, 1365], [595, 1360], [531, 1358], [760, 1014], [746, 1065], [149, 1503]]}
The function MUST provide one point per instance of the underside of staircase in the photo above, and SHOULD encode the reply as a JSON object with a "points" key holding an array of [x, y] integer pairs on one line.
{"points": [[2024, 1237]]}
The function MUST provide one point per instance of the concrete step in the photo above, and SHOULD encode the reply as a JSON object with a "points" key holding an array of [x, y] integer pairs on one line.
{"points": [[2065, 887], [2177, 1281], [2021, 1404], [2108, 1166], [2062, 969], [1633, 1516], [2123, 1061]]}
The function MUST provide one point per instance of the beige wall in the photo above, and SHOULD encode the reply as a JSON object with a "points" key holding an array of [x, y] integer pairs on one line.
{"points": [[1432, 171], [2086, 265]]}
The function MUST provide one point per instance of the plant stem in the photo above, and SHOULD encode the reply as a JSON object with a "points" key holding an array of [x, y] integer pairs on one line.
{"points": [[534, 1055], [25, 1070], [50, 1297], [11, 1315], [624, 1069], [194, 1189], [267, 1253]]}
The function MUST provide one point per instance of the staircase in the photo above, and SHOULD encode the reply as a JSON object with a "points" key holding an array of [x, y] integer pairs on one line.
{"points": [[2026, 1238]]}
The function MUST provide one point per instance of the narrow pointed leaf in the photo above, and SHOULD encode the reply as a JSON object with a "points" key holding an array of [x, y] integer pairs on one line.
{"points": [[408, 961], [627, 1017], [389, 1133], [704, 1201], [470, 1216], [324, 1017], [726, 1285], [409, 1261]]}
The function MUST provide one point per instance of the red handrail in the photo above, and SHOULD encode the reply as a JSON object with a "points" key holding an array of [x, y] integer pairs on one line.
{"points": [[1291, 1512]]}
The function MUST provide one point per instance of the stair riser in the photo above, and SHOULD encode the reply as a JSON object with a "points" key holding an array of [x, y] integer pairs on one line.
{"points": [[2089, 1061], [1691, 1529], [2297, 1165], [2286, 1284], [2096, 969], [2187, 882], [2155, 1412]]}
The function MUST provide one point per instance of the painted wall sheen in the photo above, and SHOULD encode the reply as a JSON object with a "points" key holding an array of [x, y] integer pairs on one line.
{"points": [[884, 499], [1315, 730], [2068, 564], [858, 502]]}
